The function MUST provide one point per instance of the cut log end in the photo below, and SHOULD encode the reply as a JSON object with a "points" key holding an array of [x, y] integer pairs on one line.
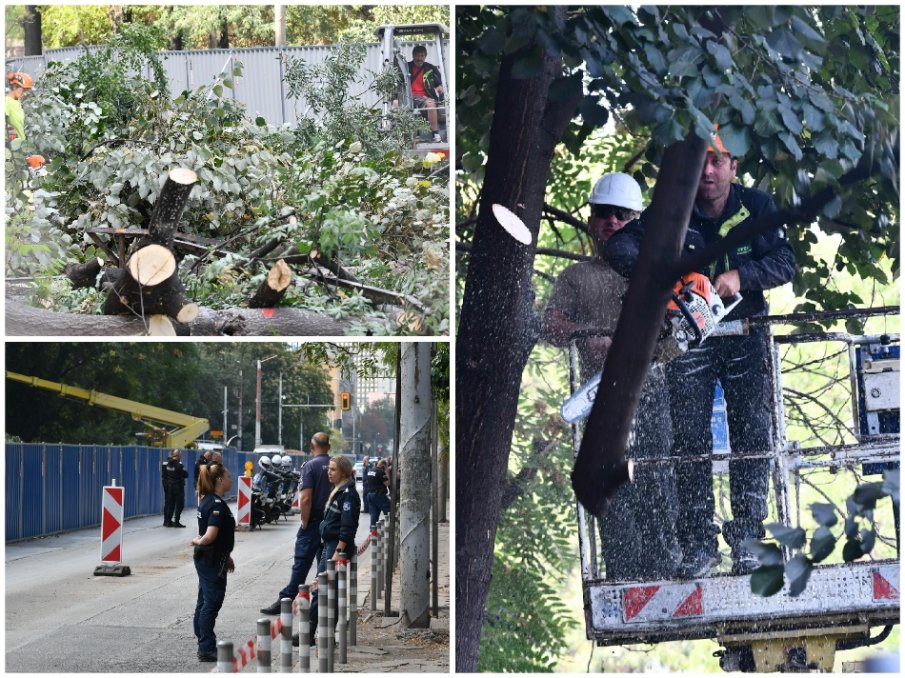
{"points": [[160, 326], [187, 313], [152, 265], [183, 175], [279, 277]]}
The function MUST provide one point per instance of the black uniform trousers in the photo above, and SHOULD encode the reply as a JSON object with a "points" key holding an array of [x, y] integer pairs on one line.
{"points": [[173, 502], [742, 366]]}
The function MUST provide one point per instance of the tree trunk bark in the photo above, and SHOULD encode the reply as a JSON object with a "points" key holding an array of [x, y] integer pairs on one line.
{"points": [[24, 320], [273, 288], [497, 329], [85, 274], [279, 25], [31, 23], [415, 493]]}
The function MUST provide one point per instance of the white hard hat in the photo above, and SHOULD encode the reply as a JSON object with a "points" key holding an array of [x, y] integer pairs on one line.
{"points": [[264, 462], [619, 189]]}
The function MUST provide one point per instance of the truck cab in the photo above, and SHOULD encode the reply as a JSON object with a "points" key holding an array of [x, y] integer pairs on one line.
{"points": [[842, 601]]}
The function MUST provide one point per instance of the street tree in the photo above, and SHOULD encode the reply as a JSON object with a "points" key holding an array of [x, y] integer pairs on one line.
{"points": [[803, 119]]}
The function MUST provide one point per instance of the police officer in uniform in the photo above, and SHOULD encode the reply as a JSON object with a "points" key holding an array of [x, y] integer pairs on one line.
{"points": [[339, 525], [213, 546], [376, 487], [315, 489], [173, 475], [203, 460]]}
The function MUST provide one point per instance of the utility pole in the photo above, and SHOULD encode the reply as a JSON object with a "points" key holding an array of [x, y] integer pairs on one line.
{"points": [[415, 493], [280, 414], [258, 401]]}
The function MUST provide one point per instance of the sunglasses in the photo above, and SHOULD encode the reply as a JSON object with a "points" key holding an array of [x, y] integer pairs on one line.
{"points": [[604, 211]]}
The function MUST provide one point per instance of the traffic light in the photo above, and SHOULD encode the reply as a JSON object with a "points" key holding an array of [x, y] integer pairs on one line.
{"points": [[345, 401]]}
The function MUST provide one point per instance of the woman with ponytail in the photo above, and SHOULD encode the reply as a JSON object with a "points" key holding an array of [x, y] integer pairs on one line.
{"points": [[213, 546], [340, 521]]}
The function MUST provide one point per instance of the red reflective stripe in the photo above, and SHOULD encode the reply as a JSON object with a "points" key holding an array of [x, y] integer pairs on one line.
{"points": [[116, 494], [109, 525], [634, 599], [693, 605], [883, 589], [113, 555]]}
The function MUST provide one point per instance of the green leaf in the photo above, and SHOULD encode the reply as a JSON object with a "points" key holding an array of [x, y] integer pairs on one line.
{"points": [[868, 494], [824, 514], [228, 82], [592, 114], [218, 90], [822, 544], [851, 551], [798, 570], [783, 41], [868, 539], [260, 122], [891, 484], [721, 55], [804, 29], [563, 89], [790, 118], [767, 580], [827, 146], [735, 139], [793, 537], [789, 142], [767, 554]]}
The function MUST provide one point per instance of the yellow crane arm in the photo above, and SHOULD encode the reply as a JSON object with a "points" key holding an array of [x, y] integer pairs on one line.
{"points": [[188, 428]]}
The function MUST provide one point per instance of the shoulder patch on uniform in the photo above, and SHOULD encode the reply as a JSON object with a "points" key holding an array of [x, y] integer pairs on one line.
{"points": [[347, 506], [215, 513]]}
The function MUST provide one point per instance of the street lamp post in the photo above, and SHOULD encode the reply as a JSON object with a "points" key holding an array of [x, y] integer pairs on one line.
{"points": [[258, 401]]}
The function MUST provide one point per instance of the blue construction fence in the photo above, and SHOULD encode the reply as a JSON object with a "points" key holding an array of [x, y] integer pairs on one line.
{"points": [[55, 488]]}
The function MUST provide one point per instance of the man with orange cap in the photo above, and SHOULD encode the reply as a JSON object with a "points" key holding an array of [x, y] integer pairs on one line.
{"points": [[740, 363], [19, 84]]}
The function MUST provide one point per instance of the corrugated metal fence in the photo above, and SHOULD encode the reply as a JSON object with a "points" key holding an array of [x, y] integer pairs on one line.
{"points": [[54, 488], [261, 87]]}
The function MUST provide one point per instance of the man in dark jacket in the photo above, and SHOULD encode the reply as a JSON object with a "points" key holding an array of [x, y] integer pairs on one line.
{"points": [[173, 475], [740, 363]]}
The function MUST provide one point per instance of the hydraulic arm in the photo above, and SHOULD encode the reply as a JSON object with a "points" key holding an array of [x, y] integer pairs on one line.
{"points": [[179, 429]]}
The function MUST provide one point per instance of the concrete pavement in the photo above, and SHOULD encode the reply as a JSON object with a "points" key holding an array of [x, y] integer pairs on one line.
{"points": [[61, 618]]}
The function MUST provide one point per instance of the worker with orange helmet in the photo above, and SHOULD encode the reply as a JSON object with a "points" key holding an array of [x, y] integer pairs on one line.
{"points": [[739, 363], [19, 84]]}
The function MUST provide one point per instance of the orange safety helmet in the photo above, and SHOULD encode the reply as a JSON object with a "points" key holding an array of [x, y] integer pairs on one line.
{"points": [[717, 141], [20, 79]]}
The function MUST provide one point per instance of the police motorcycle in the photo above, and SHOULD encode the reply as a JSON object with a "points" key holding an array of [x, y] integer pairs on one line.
{"points": [[293, 479], [266, 491]]}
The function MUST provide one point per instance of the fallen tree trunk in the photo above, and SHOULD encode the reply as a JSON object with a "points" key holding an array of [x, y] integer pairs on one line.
{"points": [[149, 283], [274, 286], [24, 320]]}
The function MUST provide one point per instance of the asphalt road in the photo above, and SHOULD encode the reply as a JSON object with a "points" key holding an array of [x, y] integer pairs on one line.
{"points": [[61, 618]]}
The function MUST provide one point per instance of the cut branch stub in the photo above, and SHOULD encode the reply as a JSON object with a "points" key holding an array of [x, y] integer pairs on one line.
{"points": [[170, 205], [274, 286]]}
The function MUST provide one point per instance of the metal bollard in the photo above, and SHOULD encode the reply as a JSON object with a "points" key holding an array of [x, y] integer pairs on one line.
{"points": [[286, 635], [224, 656], [331, 613], [263, 646], [380, 550], [322, 624], [342, 614], [353, 599], [304, 601], [375, 546]]}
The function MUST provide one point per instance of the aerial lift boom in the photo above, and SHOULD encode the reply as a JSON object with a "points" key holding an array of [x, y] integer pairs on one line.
{"points": [[179, 429]]}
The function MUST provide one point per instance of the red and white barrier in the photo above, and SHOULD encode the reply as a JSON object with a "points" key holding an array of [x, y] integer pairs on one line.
{"points": [[112, 501], [244, 501], [646, 603]]}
